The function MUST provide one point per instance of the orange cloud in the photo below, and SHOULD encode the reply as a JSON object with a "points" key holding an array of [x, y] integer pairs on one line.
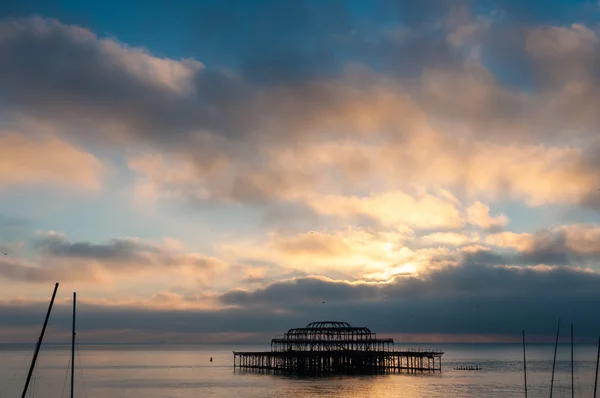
{"points": [[562, 42], [521, 241], [579, 238], [28, 161], [478, 214], [393, 208], [396, 182], [313, 244], [449, 238]]}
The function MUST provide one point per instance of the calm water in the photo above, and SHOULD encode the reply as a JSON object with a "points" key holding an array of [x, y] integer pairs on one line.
{"points": [[165, 371]]}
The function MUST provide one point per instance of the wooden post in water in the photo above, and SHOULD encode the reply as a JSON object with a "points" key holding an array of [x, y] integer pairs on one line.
{"points": [[73, 346], [524, 364], [39, 343], [572, 378], [554, 360], [596, 377]]}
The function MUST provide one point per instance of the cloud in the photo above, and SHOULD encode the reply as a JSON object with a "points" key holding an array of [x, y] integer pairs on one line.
{"points": [[476, 296], [472, 298], [133, 93], [26, 161], [478, 214], [397, 133], [314, 243], [562, 42], [350, 254], [380, 181], [563, 63], [219, 135], [16, 270], [394, 208], [103, 81], [61, 259], [476, 276], [565, 245], [448, 238], [373, 254], [460, 299], [301, 292]]}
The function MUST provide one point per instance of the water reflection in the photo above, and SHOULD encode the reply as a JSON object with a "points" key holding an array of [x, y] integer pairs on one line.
{"points": [[186, 372]]}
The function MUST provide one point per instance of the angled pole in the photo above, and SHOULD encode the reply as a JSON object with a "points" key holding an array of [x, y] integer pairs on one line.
{"points": [[39, 343], [554, 360], [73, 346], [524, 364], [596, 377]]}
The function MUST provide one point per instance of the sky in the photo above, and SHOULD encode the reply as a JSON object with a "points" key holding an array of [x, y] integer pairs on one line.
{"points": [[223, 171]]}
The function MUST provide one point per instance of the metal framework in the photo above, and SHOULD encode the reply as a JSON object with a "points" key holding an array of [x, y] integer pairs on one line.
{"points": [[337, 347], [330, 336]]}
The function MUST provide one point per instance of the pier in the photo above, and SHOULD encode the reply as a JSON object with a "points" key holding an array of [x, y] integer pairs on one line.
{"points": [[337, 347]]}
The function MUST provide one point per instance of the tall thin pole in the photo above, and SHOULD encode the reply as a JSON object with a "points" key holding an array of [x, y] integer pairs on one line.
{"points": [[39, 342], [524, 364], [554, 360], [572, 378], [73, 346], [596, 377]]}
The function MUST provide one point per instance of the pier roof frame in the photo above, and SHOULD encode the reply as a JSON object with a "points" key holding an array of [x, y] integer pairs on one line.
{"points": [[329, 327]]}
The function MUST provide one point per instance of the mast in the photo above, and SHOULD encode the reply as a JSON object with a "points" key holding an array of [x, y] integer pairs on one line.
{"points": [[39, 343], [572, 378], [596, 377], [524, 364], [554, 361], [73, 346]]}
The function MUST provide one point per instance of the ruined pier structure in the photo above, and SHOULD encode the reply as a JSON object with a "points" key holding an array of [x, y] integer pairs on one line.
{"points": [[337, 347]]}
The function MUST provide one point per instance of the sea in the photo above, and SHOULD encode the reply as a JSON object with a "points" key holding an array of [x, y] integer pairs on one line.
{"points": [[185, 371]]}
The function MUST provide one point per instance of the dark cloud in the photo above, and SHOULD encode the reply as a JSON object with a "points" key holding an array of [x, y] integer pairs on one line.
{"points": [[94, 82], [117, 249], [470, 298], [548, 249], [478, 275], [16, 271], [577, 245], [551, 248], [300, 291], [61, 259], [287, 45], [290, 45], [271, 41]]}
